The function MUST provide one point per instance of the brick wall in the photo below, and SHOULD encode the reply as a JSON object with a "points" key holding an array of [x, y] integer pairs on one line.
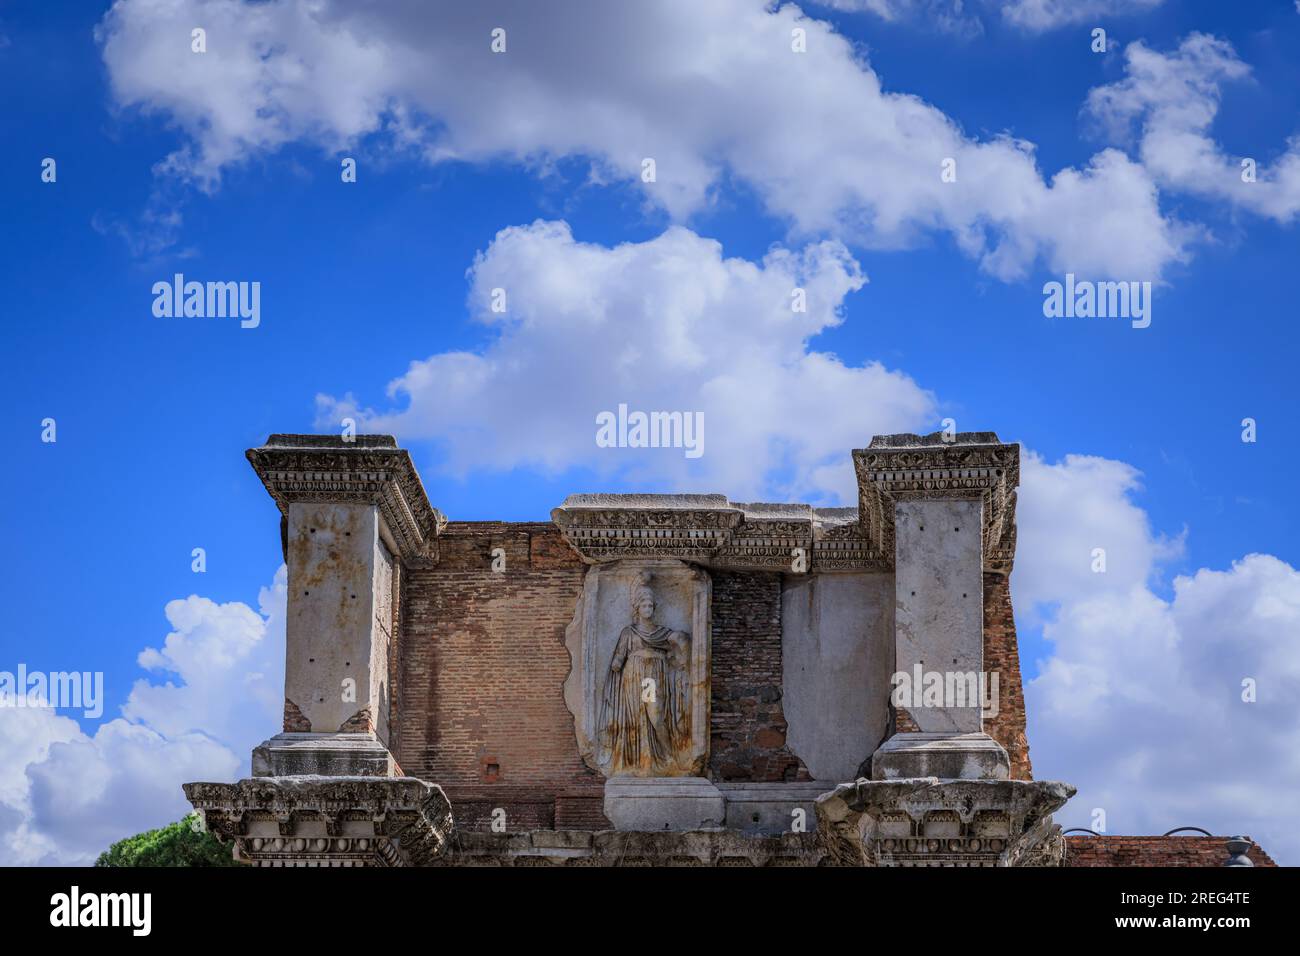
{"points": [[748, 722], [480, 665], [481, 708], [1084, 850], [478, 690], [1002, 656]]}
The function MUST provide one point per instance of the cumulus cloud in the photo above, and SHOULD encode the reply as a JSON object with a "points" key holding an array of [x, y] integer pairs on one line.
{"points": [[1140, 702], [708, 91], [713, 334], [26, 735], [226, 667], [92, 791], [1168, 102], [65, 795], [1069, 509]]}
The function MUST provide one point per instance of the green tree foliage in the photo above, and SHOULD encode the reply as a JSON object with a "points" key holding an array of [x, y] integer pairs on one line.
{"points": [[177, 844]]}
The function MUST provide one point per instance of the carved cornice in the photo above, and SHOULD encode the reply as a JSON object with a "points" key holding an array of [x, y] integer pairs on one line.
{"points": [[327, 821], [370, 469], [972, 465], [613, 527], [715, 532], [925, 821]]}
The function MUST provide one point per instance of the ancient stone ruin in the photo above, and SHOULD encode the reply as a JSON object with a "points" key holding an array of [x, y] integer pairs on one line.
{"points": [[647, 679]]}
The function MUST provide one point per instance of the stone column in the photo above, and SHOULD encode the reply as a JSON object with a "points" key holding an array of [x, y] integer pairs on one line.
{"points": [[938, 607], [947, 504], [327, 791], [353, 511]]}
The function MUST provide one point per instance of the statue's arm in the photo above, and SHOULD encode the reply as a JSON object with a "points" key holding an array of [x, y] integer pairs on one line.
{"points": [[620, 652]]}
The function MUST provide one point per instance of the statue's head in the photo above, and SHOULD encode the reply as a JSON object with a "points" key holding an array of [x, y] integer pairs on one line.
{"points": [[643, 598]]}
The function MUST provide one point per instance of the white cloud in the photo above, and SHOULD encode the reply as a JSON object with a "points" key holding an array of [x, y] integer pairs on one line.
{"points": [[1067, 510], [91, 791], [1171, 100], [963, 16], [949, 16], [231, 674], [65, 796], [713, 335], [26, 735], [706, 90], [1139, 704], [1042, 15]]}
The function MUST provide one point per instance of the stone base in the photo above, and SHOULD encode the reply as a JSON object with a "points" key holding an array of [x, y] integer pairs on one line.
{"points": [[663, 803], [325, 755], [931, 822], [769, 808], [946, 756]]}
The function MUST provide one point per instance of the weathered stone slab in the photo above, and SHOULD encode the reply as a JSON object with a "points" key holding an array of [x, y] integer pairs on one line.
{"points": [[946, 756], [939, 590], [663, 803], [770, 808], [336, 655], [328, 755], [837, 655]]}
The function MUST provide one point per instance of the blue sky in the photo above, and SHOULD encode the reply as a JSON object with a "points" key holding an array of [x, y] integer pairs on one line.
{"points": [[361, 280]]}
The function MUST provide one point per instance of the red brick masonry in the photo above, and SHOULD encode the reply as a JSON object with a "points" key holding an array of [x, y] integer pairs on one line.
{"points": [[1002, 657], [1084, 850]]}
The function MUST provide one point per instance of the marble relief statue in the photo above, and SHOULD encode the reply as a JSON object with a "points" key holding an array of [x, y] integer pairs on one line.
{"points": [[645, 713]]}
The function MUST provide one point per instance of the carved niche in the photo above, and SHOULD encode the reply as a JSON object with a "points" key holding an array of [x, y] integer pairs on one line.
{"points": [[638, 686]]}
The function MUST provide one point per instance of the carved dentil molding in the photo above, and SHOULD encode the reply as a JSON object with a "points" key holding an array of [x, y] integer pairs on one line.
{"points": [[327, 821], [930, 822], [370, 469], [972, 465], [715, 532]]}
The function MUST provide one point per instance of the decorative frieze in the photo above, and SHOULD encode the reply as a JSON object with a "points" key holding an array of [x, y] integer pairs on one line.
{"points": [[965, 465], [613, 527], [930, 822], [713, 531], [841, 544], [327, 821], [770, 537], [368, 469]]}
